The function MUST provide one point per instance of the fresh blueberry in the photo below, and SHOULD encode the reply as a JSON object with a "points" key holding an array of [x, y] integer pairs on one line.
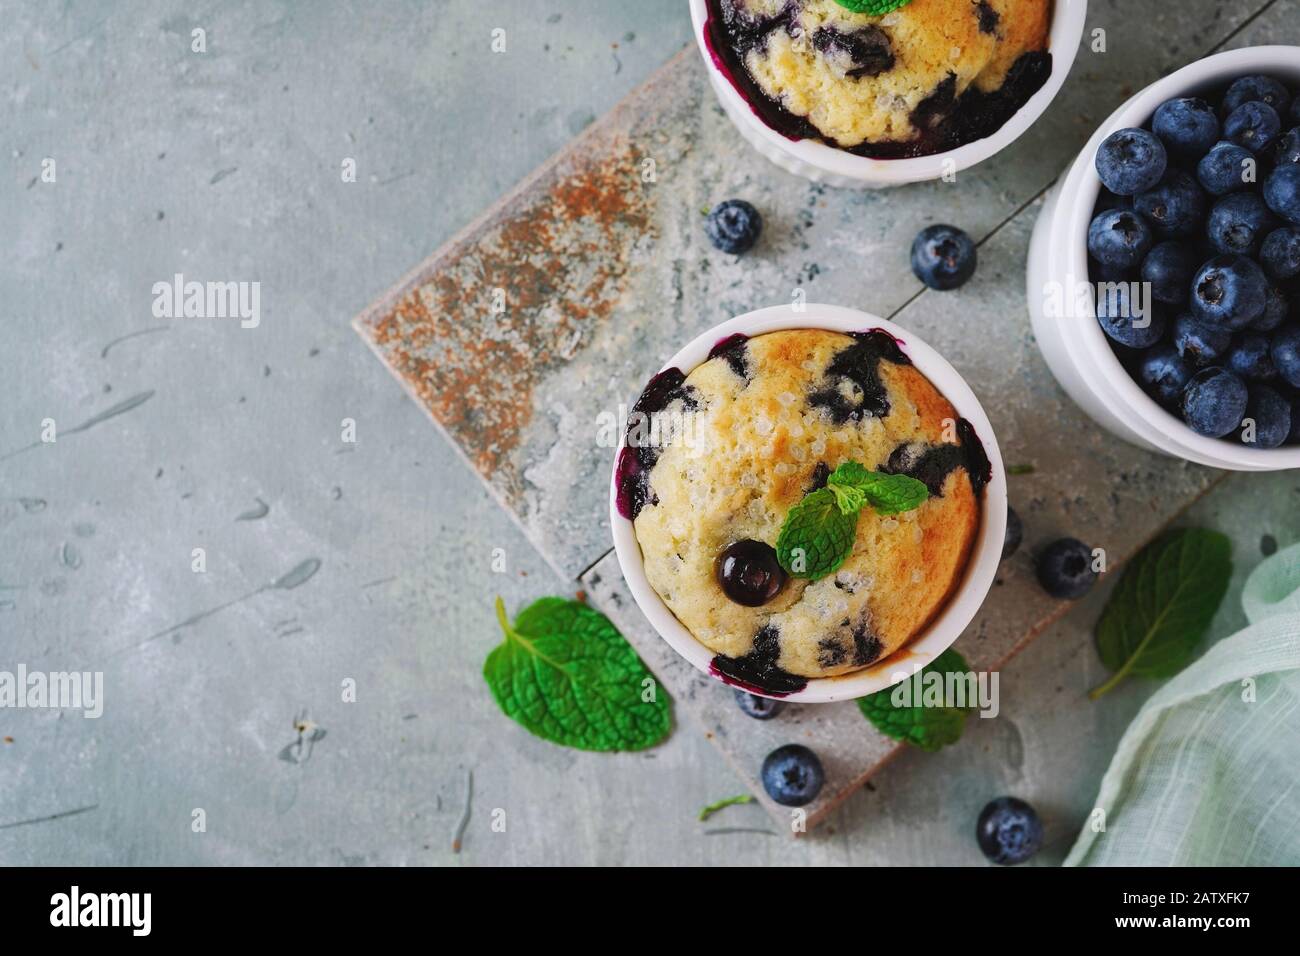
{"points": [[1294, 437], [749, 573], [1009, 831], [733, 226], [1271, 415], [1249, 358], [1100, 272], [1119, 238], [1287, 149], [1126, 320], [1238, 223], [1169, 267], [1282, 192], [760, 708], [1229, 292], [1187, 126], [1276, 309], [1163, 372], [1280, 253], [1174, 207], [1214, 402], [943, 257], [1065, 568], [792, 775], [1109, 200], [1130, 161], [1263, 89], [1014, 535], [1199, 342], [1252, 125], [1223, 169], [1293, 114], [1285, 353]]}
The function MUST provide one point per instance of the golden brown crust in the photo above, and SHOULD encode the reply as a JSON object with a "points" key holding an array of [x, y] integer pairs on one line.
{"points": [[749, 452]]}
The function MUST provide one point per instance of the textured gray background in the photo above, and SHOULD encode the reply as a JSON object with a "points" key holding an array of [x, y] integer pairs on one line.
{"points": [[225, 165]]}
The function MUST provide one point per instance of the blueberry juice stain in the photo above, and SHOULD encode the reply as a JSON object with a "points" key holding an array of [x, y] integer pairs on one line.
{"points": [[860, 364], [757, 671], [639, 455]]}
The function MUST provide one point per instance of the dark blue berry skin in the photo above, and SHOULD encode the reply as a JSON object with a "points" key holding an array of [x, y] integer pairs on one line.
{"points": [[1272, 416], [1285, 353], [1293, 114], [1294, 437], [1175, 207], [1136, 325], [1222, 170], [1164, 374], [733, 226], [1282, 192], [1276, 309], [1065, 569], [1169, 267], [1252, 125], [1187, 126], [1009, 831], [1214, 402], [1263, 89], [1130, 161], [1238, 224], [1249, 358], [1280, 253], [1014, 535], [1287, 149], [943, 257], [1198, 342], [792, 775], [760, 708], [1229, 292], [1119, 238]]}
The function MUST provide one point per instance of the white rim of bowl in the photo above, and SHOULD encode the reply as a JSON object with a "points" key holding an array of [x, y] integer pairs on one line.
{"points": [[981, 566], [1121, 393], [1064, 36]]}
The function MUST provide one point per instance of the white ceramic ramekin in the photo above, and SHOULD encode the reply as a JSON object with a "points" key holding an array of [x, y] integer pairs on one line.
{"points": [[835, 167], [985, 556], [1071, 341]]}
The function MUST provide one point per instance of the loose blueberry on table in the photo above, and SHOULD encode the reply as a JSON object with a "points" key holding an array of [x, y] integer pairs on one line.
{"points": [[1201, 212], [943, 257], [733, 226], [792, 775], [1009, 831], [1014, 534], [1065, 569], [760, 708]]}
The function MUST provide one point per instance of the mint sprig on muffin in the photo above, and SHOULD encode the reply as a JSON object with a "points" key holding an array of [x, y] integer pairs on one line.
{"points": [[818, 533], [873, 8]]}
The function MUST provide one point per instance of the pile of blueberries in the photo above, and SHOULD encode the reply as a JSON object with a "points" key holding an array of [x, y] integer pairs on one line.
{"points": [[1201, 215]]}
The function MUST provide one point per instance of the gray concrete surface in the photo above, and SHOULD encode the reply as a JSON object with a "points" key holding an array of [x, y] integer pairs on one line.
{"points": [[225, 165]]}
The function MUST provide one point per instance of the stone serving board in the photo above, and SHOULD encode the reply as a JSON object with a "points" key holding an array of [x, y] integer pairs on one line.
{"points": [[524, 335]]}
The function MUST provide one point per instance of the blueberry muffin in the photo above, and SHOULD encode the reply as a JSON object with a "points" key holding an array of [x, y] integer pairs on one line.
{"points": [[922, 79], [715, 460]]}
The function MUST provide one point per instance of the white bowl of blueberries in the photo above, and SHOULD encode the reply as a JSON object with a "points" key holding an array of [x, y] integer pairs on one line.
{"points": [[1164, 271]]}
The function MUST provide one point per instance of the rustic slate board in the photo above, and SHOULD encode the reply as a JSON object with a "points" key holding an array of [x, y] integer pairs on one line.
{"points": [[559, 303]]}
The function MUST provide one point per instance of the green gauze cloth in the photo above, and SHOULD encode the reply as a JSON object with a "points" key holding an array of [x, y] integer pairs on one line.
{"points": [[1208, 773]]}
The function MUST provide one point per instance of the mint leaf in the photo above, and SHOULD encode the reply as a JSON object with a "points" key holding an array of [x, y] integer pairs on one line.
{"points": [[928, 728], [848, 498], [894, 494], [873, 7], [714, 807], [1162, 605], [816, 536], [565, 674], [849, 473]]}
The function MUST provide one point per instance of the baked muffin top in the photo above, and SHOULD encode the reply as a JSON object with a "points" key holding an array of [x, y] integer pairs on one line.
{"points": [[924, 78], [741, 440]]}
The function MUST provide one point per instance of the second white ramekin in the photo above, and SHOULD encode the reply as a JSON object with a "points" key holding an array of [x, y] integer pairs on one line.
{"points": [[985, 555], [1073, 344], [835, 167]]}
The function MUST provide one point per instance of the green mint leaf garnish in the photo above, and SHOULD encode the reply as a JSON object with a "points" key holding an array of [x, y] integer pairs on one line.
{"points": [[817, 536], [875, 8], [1162, 605], [928, 728], [713, 808], [818, 533], [565, 674]]}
